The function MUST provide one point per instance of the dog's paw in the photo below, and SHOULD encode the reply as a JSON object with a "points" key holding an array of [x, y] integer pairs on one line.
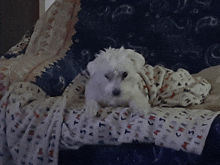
{"points": [[139, 106], [92, 107]]}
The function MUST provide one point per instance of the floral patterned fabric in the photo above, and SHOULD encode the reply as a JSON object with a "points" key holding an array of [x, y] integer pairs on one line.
{"points": [[20, 47], [176, 34]]}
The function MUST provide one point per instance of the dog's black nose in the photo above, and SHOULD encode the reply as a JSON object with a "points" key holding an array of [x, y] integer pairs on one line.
{"points": [[116, 92]]}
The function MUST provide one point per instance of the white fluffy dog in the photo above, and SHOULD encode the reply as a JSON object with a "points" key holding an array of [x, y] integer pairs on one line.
{"points": [[115, 81]]}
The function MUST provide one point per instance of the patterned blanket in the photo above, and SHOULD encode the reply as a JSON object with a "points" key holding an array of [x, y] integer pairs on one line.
{"points": [[34, 126]]}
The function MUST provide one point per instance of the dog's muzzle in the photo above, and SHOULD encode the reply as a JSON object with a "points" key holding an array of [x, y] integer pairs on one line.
{"points": [[116, 92]]}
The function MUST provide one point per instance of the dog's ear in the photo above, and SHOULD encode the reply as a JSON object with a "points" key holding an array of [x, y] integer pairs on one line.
{"points": [[91, 68], [137, 59]]}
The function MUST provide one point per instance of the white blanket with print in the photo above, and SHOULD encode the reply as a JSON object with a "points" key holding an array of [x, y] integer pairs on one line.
{"points": [[33, 126]]}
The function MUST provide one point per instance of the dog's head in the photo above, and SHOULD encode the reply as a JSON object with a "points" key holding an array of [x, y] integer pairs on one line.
{"points": [[116, 71], [117, 59]]}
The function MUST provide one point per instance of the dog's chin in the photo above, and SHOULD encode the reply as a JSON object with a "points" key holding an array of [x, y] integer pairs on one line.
{"points": [[115, 102]]}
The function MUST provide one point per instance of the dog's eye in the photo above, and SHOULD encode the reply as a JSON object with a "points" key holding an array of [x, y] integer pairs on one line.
{"points": [[106, 76], [124, 75]]}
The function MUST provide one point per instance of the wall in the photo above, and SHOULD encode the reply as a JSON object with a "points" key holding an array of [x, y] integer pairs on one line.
{"points": [[17, 16]]}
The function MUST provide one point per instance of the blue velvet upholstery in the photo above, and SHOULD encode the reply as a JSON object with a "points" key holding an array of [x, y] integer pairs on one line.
{"points": [[175, 34]]}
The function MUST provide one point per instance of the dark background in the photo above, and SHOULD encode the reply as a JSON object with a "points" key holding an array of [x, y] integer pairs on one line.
{"points": [[17, 17]]}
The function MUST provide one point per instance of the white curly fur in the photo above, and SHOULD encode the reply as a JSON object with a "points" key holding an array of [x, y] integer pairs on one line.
{"points": [[115, 81]]}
